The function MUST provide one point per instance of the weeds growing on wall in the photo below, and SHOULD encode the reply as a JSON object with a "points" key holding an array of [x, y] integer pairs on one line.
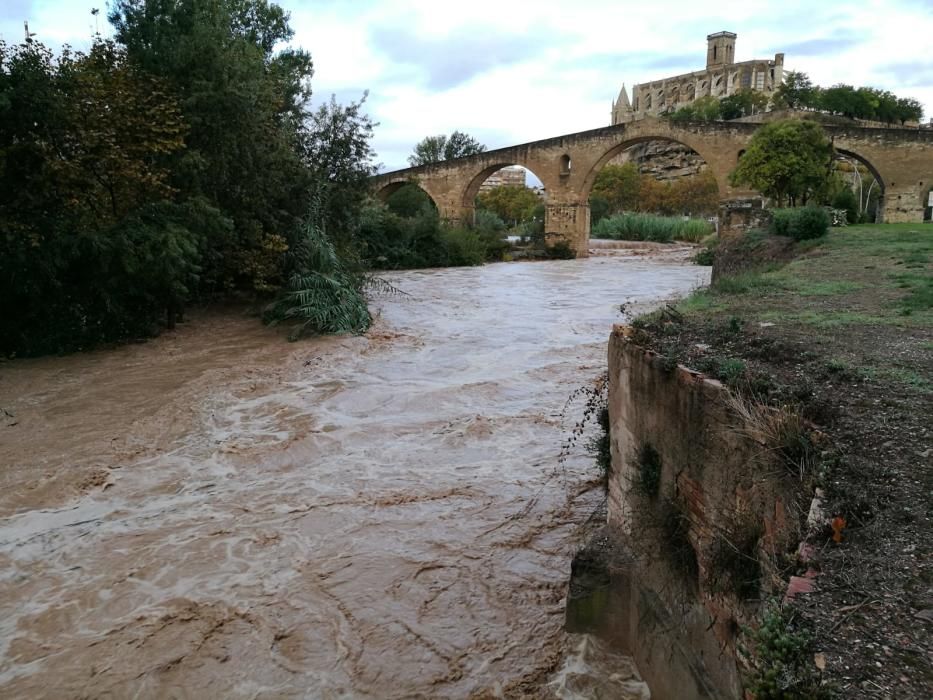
{"points": [[648, 466], [674, 525], [783, 428], [735, 563], [595, 410]]}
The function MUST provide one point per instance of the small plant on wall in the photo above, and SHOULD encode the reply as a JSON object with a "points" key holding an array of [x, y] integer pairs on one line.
{"points": [[595, 410], [648, 470]]}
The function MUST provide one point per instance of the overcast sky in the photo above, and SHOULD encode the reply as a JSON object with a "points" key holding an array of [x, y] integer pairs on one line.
{"points": [[510, 71]]}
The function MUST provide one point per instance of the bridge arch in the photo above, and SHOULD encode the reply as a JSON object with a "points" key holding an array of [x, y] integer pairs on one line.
{"points": [[851, 157], [847, 154], [591, 175], [472, 189], [387, 189]]}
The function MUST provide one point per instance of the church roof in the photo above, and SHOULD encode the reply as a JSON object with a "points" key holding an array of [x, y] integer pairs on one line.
{"points": [[622, 101]]}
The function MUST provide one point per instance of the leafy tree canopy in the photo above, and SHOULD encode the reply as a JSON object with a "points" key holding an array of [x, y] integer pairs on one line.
{"points": [[789, 161], [618, 186], [797, 92], [173, 163], [622, 188], [513, 205], [433, 149]]}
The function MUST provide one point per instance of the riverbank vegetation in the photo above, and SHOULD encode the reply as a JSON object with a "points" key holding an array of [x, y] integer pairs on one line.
{"points": [[173, 163], [406, 231], [647, 227], [622, 188], [838, 331]]}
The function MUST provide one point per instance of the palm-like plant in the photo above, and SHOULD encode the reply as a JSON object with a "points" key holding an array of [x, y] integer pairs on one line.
{"points": [[321, 293]]}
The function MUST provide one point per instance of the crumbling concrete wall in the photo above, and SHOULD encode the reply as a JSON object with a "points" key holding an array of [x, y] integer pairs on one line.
{"points": [[676, 600]]}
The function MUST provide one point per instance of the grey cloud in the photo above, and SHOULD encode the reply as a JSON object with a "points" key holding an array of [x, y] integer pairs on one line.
{"points": [[910, 73], [637, 64], [821, 45], [450, 61]]}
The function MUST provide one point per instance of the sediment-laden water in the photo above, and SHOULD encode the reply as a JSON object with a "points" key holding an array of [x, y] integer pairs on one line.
{"points": [[218, 513]]}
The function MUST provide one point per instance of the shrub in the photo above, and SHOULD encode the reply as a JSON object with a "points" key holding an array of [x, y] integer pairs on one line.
{"points": [[782, 660], [322, 294], [705, 257], [485, 220], [801, 223], [561, 250], [846, 199], [463, 246]]}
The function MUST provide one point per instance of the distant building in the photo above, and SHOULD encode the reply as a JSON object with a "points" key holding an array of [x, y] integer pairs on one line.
{"points": [[722, 77], [512, 176]]}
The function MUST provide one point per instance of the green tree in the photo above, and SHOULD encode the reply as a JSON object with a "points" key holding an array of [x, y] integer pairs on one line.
{"points": [[703, 109], [619, 186], [789, 161], [599, 208], [434, 149], [246, 104], [743, 103], [95, 243], [513, 205], [847, 101], [909, 109], [338, 155], [796, 92], [409, 200]]}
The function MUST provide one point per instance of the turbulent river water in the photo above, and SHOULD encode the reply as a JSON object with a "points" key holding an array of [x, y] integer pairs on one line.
{"points": [[219, 513]]}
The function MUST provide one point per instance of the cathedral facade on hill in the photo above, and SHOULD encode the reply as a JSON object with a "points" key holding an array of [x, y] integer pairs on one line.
{"points": [[722, 77]]}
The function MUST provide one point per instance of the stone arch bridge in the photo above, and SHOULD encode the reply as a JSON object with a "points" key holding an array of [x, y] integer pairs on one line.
{"points": [[901, 159]]}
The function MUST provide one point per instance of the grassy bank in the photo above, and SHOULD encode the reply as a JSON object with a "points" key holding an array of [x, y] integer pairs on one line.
{"points": [[840, 330]]}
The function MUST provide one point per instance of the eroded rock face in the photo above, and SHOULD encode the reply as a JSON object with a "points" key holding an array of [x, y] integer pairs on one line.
{"points": [[663, 160]]}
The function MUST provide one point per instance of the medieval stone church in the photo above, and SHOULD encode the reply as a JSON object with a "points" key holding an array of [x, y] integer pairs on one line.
{"points": [[722, 77]]}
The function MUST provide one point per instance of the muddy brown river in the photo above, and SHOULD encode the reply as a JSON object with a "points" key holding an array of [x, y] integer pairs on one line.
{"points": [[221, 514]]}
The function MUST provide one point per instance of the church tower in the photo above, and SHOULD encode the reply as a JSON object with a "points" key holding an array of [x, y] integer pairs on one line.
{"points": [[621, 108], [720, 49]]}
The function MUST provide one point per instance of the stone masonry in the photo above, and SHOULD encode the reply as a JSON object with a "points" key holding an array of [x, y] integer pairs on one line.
{"points": [[901, 159]]}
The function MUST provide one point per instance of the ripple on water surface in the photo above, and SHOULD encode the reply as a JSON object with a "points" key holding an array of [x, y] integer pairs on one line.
{"points": [[218, 513]]}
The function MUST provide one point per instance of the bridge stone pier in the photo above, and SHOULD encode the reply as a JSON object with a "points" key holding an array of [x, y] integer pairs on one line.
{"points": [[901, 159]]}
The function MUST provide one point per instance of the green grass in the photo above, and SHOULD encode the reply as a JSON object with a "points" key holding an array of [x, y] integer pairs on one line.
{"points": [[700, 301], [747, 283], [919, 288], [917, 258], [860, 303], [908, 377], [820, 288]]}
